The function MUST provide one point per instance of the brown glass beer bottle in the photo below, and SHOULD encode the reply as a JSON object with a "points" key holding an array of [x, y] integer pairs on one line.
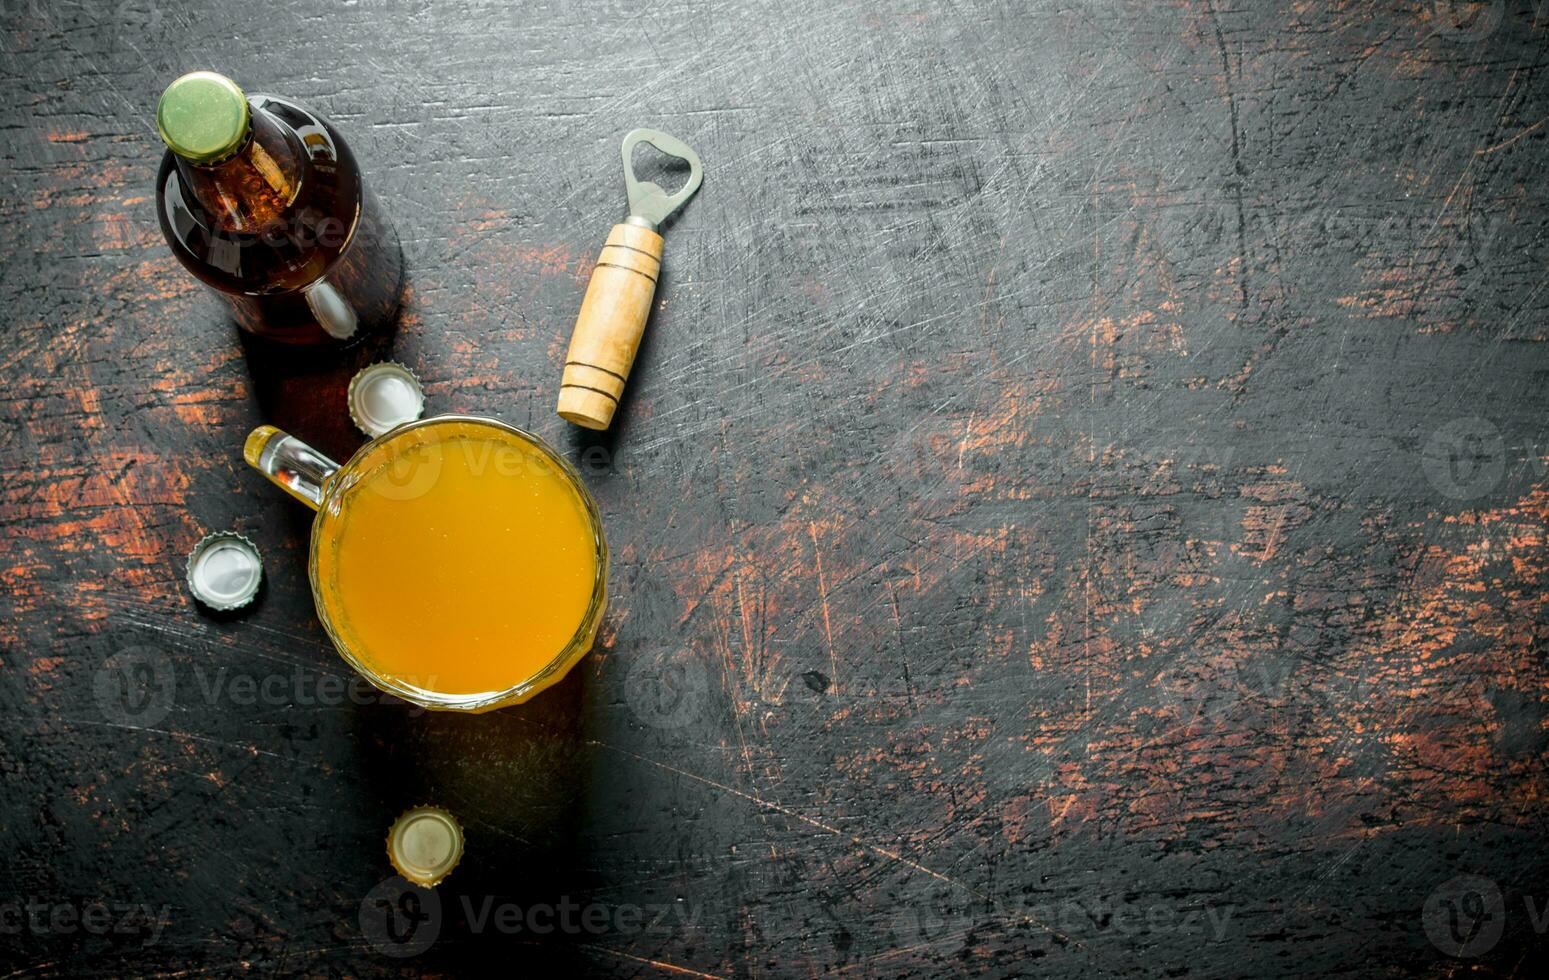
{"points": [[261, 199]]}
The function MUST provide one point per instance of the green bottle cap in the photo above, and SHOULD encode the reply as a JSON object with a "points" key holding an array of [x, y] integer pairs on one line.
{"points": [[202, 117]]}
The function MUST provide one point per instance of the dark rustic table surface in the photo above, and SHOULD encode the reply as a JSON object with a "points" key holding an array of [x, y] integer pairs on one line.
{"points": [[1080, 508]]}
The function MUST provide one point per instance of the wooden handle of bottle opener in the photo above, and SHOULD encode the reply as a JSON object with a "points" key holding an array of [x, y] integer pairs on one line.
{"points": [[609, 327]]}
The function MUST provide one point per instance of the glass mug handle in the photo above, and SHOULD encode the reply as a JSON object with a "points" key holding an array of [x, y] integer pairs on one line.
{"points": [[289, 463]]}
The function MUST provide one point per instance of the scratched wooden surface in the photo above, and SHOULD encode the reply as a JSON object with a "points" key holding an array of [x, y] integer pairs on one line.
{"points": [[1080, 507]]}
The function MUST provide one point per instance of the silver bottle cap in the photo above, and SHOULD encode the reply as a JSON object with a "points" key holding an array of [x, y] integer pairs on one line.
{"points": [[224, 571], [425, 844], [385, 395]]}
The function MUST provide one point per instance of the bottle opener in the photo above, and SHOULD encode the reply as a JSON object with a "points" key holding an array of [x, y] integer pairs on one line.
{"points": [[618, 299]]}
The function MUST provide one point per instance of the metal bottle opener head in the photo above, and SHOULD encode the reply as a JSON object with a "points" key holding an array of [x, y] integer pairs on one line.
{"points": [[649, 204], [623, 285]]}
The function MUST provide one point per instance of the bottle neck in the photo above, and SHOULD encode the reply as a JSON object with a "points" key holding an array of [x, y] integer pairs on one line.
{"points": [[251, 190]]}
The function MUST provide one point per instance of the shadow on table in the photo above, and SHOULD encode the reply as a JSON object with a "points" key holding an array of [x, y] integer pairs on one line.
{"points": [[304, 392], [515, 779]]}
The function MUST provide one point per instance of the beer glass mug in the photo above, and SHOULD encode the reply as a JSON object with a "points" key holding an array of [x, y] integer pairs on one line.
{"points": [[456, 562]]}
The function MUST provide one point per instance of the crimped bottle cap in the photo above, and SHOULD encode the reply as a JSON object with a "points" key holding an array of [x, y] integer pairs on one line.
{"points": [[203, 117], [225, 570], [385, 395], [425, 844]]}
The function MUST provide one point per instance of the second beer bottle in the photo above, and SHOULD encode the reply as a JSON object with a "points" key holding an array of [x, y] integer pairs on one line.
{"points": [[261, 199]]}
